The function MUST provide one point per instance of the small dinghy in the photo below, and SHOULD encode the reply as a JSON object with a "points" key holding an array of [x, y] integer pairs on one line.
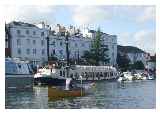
{"points": [[55, 93], [68, 91]]}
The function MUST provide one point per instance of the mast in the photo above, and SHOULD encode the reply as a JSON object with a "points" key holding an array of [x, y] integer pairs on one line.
{"points": [[67, 51], [48, 43], [48, 48]]}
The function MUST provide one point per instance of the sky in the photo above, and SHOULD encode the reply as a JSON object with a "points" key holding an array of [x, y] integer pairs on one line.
{"points": [[133, 25]]}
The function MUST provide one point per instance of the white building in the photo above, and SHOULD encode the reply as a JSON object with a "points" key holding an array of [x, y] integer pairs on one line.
{"points": [[151, 64], [141, 56], [108, 40], [111, 42], [77, 46], [28, 42]]}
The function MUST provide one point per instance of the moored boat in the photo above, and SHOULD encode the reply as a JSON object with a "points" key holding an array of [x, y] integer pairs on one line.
{"points": [[78, 73], [150, 77], [91, 73], [18, 74], [69, 91], [46, 76], [55, 93]]}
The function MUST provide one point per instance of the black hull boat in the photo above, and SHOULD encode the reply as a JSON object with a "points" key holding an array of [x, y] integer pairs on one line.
{"points": [[49, 81], [85, 74], [62, 82]]}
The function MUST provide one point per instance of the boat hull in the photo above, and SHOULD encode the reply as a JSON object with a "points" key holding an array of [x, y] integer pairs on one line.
{"points": [[19, 81], [55, 93], [62, 82], [49, 81]]}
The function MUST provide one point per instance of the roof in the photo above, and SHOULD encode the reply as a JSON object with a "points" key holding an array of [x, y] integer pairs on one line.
{"points": [[23, 24], [92, 31]]}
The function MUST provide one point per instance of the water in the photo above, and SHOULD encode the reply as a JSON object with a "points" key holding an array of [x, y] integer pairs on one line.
{"points": [[105, 95]]}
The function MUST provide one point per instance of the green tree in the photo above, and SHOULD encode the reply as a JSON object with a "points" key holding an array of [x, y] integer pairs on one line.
{"points": [[123, 62], [97, 53], [138, 65]]}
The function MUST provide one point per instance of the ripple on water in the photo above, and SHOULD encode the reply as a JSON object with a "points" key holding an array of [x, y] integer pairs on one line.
{"points": [[105, 95]]}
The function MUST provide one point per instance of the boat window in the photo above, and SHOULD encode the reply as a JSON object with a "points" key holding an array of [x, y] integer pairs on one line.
{"points": [[19, 65], [82, 74], [64, 73], [60, 73], [111, 73], [10, 67]]}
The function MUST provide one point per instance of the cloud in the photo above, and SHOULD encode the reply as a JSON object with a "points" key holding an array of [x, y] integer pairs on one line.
{"points": [[143, 39], [93, 14], [146, 39], [148, 14], [24, 13], [125, 38], [89, 14]]}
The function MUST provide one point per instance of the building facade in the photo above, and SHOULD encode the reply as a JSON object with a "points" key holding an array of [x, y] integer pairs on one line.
{"points": [[134, 57], [110, 41], [77, 46], [29, 42]]}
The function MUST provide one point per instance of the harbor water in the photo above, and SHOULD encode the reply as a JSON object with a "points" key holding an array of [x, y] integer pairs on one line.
{"points": [[104, 95]]}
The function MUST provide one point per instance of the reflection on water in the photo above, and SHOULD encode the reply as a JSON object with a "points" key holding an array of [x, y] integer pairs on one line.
{"points": [[106, 95]]}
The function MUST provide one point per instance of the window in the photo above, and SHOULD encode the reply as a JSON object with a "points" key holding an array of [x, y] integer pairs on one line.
{"points": [[27, 32], [76, 45], [18, 32], [61, 43], [53, 43], [28, 41], [42, 42], [53, 51], [112, 46], [61, 52], [43, 51], [82, 45], [34, 41], [34, 51], [42, 33], [28, 51], [18, 41], [43, 59], [19, 51], [34, 33]]}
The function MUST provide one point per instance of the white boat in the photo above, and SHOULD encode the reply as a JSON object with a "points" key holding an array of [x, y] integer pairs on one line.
{"points": [[78, 73], [18, 74], [128, 76], [46, 76], [92, 73], [120, 79], [144, 78], [150, 77]]}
